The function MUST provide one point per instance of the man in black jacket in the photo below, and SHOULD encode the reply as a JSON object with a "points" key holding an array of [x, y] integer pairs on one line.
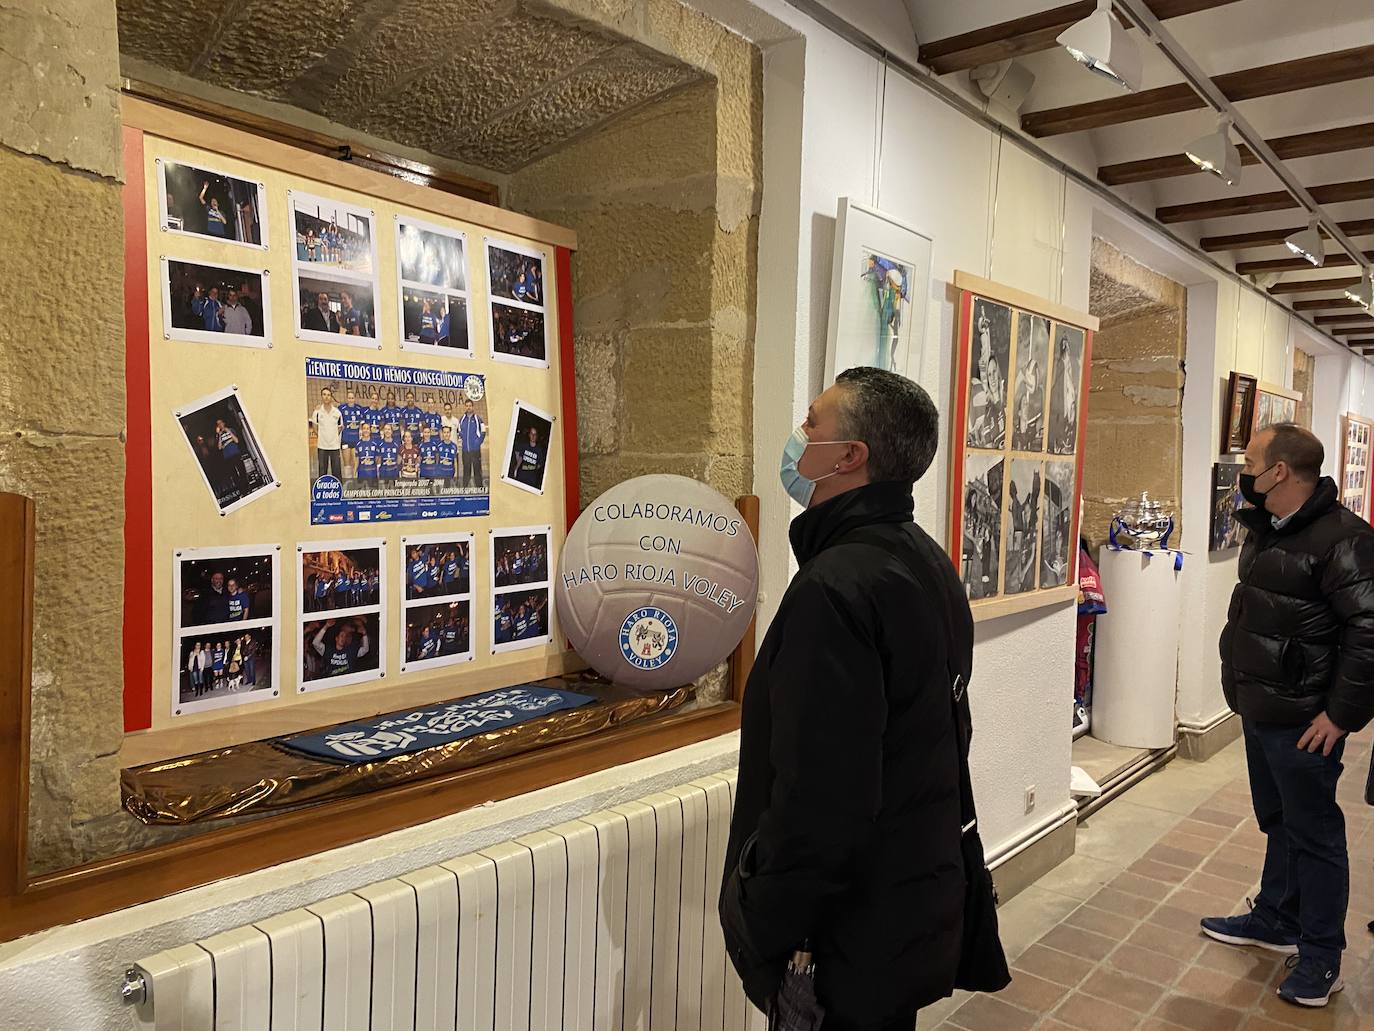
{"points": [[846, 825], [1297, 664]]}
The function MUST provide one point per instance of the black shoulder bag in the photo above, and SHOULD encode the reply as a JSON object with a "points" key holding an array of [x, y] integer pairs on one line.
{"points": [[982, 961]]}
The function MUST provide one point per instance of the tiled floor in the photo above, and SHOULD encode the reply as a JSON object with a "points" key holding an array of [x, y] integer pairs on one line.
{"points": [[1109, 941]]}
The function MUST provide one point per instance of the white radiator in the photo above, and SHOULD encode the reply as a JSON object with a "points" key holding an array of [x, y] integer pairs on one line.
{"points": [[603, 924]]}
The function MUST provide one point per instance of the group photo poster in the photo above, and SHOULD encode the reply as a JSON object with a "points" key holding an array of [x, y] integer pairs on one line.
{"points": [[432, 285], [334, 268], [515, 292], [436, 606], [520, 564], [226, 449], [226, 612], [341, 591], [197, 201], [215, 304], [389, 442]]}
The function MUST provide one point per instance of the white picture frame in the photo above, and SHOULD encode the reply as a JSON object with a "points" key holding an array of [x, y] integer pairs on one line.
{"points": [[522, 589], [204, 336], [517, 407], [859, 291], [253, 443], [182, 631], [167, 222], [308, 619], [499, 303], [409, 605], [450, 293], [339, 278]]}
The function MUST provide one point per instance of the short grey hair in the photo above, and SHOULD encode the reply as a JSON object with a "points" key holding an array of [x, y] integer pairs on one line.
{"points": [[895, 417]]}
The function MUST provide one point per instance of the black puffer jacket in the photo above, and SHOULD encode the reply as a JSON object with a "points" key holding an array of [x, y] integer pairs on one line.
{"points": [[1299, 638], [846, 822]]}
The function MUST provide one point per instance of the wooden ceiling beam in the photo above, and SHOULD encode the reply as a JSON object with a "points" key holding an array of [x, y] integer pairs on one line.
{"points": [[1250, 84], [1361, 342], [1257, 203], [1322, 303], [1274, 237], [1295, 264], [1340, 322], [1312, 286], [1031, 34], [1302, 145]]}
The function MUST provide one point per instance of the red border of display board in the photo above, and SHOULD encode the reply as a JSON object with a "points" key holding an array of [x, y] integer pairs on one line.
{"points": [[138, 448]]}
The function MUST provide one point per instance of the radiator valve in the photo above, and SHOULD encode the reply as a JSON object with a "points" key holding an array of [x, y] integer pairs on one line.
{"points": [[134, 990]]}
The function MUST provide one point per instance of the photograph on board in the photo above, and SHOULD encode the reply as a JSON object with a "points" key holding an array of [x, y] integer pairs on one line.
{"points": [[1065, 386], [215, 304], [518, 336], [527, 448], [430, 255], [437, 634], [231, 461], [439, 567], [431, 280], [335, 311], [225, 587], [980, 560], [1022, 525], [329, 235], [341, 580], [987, 387], [515, 274], [1055, 545], [520, 619], [432, 321], [394, 442], [519, 556], [1028, 395], [224, 666], [339, 650], [200, 202]]}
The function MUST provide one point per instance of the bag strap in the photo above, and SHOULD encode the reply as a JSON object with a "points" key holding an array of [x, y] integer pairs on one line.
{"points": [[962, 717]]}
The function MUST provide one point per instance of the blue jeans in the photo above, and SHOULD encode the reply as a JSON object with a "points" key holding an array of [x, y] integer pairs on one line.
{"points": [[1306, 883]]}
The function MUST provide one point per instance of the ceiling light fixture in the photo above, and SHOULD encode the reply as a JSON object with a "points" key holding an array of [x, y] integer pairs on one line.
{"points": [[1363, 295], [1216, 153], [1308, 243], [1101, 44]]}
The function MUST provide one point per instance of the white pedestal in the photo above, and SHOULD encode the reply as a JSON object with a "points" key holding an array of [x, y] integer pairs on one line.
{"points": [[1135, 675]]}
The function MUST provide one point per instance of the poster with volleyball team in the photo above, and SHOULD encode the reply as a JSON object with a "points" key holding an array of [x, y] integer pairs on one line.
{"points": [[382, 440]]}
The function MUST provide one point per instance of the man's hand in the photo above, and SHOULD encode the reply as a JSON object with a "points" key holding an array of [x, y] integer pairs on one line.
{"points": [[1322, 734]]}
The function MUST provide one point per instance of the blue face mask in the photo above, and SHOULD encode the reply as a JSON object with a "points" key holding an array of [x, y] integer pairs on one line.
{"points": [[799, 487]]}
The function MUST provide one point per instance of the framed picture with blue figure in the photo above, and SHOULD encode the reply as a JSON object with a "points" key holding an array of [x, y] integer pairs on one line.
{"points": [[215, 304], [516, 303], [528, 448], [226, 449], [334, 265], [226, 638], [436, 600], [432, 285], [341, 592], [880, 283], [520, 564], [1227, 531]]}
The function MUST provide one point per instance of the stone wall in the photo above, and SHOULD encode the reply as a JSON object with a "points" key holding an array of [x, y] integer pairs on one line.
{"points": [[62, 394], [1135, 402]]}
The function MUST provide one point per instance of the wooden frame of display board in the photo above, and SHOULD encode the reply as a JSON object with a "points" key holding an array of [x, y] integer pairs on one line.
{"points": [[1357, 438], [999, 450], [30, 903]]}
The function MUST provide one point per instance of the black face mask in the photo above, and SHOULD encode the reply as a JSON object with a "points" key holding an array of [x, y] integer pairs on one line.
{"points": [[1247, 488]]}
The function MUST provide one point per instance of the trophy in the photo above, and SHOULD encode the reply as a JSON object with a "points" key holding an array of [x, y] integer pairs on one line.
{"points": [[1143, 523]]}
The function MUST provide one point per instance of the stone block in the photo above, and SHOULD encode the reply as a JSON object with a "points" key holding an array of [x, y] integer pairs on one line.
{"points": [[60, 67], [597, 357], [1124, 457], [734, 258], [62, 335], [667, 388], [601, 472]]}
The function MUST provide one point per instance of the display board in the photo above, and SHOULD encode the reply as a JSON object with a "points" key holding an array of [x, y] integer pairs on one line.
{"points": [[1357, 437], [1020, 388], [354, 400]]}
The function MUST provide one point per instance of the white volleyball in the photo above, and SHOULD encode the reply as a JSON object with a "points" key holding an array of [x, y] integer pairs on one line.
{"points": [[657, 582]]}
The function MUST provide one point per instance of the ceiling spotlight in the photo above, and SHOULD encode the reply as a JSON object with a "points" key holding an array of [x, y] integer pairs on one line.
{"points": [[1101, 44], [1216, 153], [1308, 244], [1363, 295]]}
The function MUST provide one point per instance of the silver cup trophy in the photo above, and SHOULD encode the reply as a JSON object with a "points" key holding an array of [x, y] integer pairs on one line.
{"points": [[1142, 524]]}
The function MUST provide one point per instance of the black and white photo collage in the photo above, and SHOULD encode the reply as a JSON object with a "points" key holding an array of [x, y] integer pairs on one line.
{"points": [[225, 640], [520, 581], [341, 613], [436, 608]]}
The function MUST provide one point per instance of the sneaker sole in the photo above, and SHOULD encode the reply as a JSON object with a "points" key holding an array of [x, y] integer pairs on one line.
{"points": [[1316, 1003], [1229, 939]]}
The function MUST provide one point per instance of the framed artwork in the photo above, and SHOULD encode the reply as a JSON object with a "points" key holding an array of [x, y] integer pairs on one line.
{"points": [[1239, 413], [1021, 380], [1274, 405], [1357, 436], [1226, 531], [879, 285]]}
